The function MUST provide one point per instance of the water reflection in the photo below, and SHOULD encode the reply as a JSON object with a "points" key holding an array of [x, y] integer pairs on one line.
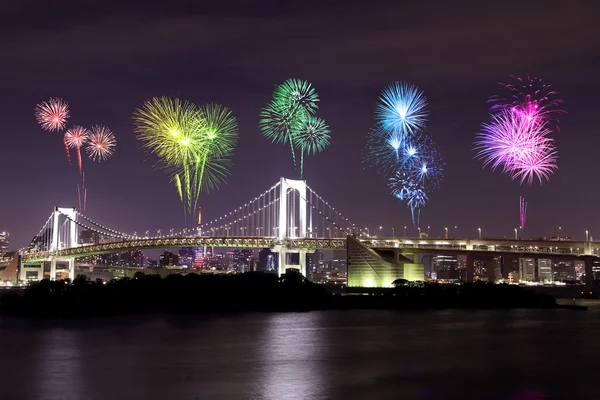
{"points": [[495, 355], [292, 357], [58, 365]]}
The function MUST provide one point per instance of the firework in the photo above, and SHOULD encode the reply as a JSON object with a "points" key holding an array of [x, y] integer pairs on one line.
{"points": [[311, 137], [288, 114], [529, 97], [402, 108], [384, 150], [101, 143], [297, 94], [193, 144], [219, 137], [75, 138], [52, 115], [520, 145], [426, 167], [400, 150], [522, 212]]}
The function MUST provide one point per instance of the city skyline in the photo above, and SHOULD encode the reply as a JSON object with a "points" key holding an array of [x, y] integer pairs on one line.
{"points": [[349, 70]]}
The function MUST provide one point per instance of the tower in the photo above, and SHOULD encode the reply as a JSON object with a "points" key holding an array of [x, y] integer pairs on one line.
{"points": [[287, 228]]}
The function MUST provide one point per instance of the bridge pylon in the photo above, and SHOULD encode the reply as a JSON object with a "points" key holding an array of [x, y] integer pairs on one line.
{"points": [[288, 226]]}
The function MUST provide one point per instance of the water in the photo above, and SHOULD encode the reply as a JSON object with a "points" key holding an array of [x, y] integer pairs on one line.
{"points": [[526, 354]]}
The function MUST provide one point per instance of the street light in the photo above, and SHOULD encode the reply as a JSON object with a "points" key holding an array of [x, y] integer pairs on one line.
{"points": [[419, 231], [479, 229], [428, 230], [393, 234], [380, 228], [587, 236], [404, 232], [455, 227], [516, 234], [446, 229]]}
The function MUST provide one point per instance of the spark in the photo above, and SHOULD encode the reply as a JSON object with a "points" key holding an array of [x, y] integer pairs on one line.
{"points": [[101, 143], [193, 144], [75, 138], [52, 115], [522, 147], [290, 115], [402, 108]]}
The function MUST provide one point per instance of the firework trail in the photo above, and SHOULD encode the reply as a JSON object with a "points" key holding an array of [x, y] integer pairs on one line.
{"points": [[193, 144], [75, 138], [52, 115], [101, 143], [401, 151], [522, 212], [289, 119]]}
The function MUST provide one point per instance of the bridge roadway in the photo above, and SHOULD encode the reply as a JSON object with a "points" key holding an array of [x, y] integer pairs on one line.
{"points": [[422, 245]]}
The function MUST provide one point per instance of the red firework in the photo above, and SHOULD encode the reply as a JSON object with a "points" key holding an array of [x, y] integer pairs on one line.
{"points": [[75, 138], [101, 143], [52, 115]]}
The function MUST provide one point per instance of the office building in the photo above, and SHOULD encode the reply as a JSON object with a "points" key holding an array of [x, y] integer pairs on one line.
{"points": [[4, 243], [544, 271], [527, 269]]}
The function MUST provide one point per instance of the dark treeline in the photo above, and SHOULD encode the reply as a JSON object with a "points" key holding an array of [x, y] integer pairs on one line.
{"points": [[247, 292]]}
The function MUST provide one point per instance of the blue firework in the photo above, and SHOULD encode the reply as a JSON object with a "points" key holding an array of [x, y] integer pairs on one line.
{"points": [[402, 108], [384, 150], [400, 150], [426, 165]]}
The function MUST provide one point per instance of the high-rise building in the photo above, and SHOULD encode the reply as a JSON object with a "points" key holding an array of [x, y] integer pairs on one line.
{"points": [[186, 256], [495, 269], [444, 267], [427, 261], [266, 261], [241, 259], [168, 259], [544, 271], [4, 243], [527, 269], [563, 271], [199, 257]]}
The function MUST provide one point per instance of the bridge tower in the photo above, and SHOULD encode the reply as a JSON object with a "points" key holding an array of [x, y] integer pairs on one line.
{"points": [[287, 228], [60, 232]]}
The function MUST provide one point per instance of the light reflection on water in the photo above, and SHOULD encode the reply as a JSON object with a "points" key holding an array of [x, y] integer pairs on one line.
{"points": [[319, 355]]}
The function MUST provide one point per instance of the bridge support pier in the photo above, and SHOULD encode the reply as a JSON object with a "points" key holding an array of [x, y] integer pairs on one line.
{"points": [[53, 269], [589, 272], [71, 269], [282, 261]]}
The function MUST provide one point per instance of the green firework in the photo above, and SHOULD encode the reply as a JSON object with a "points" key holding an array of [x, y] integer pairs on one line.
{"points": [[311, 137], [193, 144], [290, 115]]}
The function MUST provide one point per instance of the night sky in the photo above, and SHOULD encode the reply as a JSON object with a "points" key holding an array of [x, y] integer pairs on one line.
{"points": [[107, 57]]}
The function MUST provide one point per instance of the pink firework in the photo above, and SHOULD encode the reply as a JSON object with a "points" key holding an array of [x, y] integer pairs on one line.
{"points": [[52, 115], [531, 98], [101, 144], [522, 212], [75, 138], [520, 145]]}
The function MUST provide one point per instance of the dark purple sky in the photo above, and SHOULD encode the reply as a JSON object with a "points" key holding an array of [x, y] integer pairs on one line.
{"points": [[107, 57]]}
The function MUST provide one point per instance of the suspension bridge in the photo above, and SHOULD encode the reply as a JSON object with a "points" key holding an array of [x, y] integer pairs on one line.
{"points": [[288, 218]]}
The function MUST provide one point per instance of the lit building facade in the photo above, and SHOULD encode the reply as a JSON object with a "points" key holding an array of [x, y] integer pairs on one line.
{"points": [[544, 270], [527, 269], [370, 268], [4, 243]]}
